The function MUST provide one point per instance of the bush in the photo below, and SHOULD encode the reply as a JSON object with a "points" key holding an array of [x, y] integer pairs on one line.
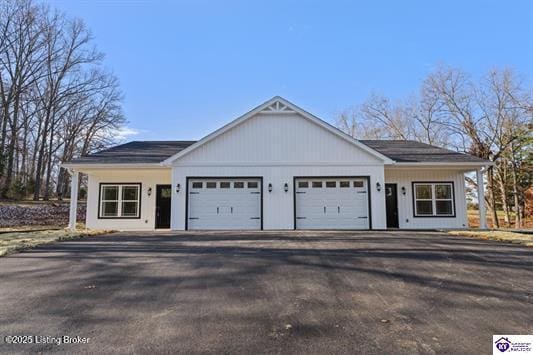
{"points": [[17, 190]]}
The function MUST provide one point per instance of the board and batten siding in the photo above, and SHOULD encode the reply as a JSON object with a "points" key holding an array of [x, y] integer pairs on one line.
{"points": [[148, 179], [277, 147], [404, 177], [277, 138]]}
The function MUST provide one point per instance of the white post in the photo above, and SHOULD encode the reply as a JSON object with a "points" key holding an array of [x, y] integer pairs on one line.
{"points": [[73, 199], [481, 199]]}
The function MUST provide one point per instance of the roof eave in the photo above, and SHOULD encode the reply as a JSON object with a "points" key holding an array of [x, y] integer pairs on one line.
{"points": [[100, 166], [463, 165]]}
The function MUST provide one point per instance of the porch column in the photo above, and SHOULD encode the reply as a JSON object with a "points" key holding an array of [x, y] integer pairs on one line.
{"points": [[481, 199], [73, 199]]}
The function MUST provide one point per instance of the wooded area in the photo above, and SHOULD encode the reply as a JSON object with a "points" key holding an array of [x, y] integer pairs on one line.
{"points": [[490, 118], [56, 99]]}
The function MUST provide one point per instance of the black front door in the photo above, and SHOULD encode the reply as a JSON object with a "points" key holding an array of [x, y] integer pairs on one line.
{"points": [[162, 206], [391, 203]]}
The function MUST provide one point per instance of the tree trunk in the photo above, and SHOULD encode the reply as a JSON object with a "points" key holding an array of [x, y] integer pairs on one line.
{"points": [[491, 188], [518, 216], [11, 149], [49, 166]]}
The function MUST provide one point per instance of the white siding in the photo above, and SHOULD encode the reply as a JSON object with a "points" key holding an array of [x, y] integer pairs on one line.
{"points": [[278, 206], [148, 178], [277, 138], [405, 177], [278, 147]]}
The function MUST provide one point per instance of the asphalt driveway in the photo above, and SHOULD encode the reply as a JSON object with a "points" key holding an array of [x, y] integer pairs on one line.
{"points": [[283, 292]]}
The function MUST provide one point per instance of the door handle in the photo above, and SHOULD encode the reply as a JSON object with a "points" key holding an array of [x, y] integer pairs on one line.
{"points": [[338, 209], [324, 209], [231, 208], [218, 209]]}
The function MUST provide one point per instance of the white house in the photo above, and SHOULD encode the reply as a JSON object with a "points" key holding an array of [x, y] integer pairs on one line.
{"points": [[276, 167]]}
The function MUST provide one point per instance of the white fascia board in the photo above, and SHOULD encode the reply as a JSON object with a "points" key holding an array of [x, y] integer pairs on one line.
{"points": [[273, 164], [430, 164], [95, 166], [465, 166], [295, 108]]}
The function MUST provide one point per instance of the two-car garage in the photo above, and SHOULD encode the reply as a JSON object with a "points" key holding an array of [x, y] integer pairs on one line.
{"points": [[319, 203]]}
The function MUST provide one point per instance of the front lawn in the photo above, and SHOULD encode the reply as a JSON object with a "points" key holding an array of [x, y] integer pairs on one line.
{"points": [[16, 241], [502, 236], [473, 220]]}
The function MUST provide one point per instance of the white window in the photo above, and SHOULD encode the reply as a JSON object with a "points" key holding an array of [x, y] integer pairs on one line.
{"points": [[120, 200], [433, 199]]}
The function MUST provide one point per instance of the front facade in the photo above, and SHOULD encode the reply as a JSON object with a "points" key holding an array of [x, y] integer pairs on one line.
{"points": [[276, 167]]}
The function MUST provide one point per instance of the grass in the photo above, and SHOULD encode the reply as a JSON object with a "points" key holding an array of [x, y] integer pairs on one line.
{"points": [[17, 241], [473, 220], [29, 228], [501, 236]]}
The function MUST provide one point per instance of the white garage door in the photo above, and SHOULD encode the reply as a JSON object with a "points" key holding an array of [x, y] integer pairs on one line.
{"points": [[224, 204], [332, 203]]}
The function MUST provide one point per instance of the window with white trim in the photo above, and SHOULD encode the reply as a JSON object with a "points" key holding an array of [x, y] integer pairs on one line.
{"points": [[433, 199], [120, 200]]}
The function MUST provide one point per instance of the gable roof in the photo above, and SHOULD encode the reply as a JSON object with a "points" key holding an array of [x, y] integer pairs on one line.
{"points": [[405, 151], [160, 153], [136, 152], [277, 105], [154, 152]]}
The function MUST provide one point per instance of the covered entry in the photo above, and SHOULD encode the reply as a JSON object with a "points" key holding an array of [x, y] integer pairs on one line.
{"points": [[331, 203], [224, 203]]}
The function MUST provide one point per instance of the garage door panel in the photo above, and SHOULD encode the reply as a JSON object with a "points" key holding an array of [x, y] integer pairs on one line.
{"points": [[226, 204], [331, 203]]}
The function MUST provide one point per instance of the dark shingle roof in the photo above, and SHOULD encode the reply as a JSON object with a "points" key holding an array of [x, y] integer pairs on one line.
{"points": [[139, 152], [135, 152], [404, 151]]}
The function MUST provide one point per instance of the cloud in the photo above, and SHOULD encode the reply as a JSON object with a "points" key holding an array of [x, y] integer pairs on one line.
{"points": [[125, 132]]}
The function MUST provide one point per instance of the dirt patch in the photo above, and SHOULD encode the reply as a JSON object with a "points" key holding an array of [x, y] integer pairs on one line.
{"points": [[501, 236]]}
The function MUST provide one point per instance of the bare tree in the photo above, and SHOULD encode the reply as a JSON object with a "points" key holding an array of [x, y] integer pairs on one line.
{"points": [[52, 88], [487, 118]]}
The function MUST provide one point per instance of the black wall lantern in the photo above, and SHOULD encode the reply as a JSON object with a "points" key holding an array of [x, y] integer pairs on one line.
{"points": [[178, 188], [286, 187], [378, 186], [269, 187], [149, 191], [403, 190]]}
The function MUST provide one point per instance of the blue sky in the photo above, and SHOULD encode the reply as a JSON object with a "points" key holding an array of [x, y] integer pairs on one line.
{"points": [[186, 68]]}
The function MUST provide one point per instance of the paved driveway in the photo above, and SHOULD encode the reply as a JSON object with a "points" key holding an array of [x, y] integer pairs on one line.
{"points": [[284, 292]]}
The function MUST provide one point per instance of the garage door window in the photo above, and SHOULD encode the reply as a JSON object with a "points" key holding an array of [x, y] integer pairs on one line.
{"points": [[358, 184], [303, 184], [433, 199], [210, 185], [252, 185], [224, 185], [344, 184], [119, 201], [317, 184], [238, 185]]}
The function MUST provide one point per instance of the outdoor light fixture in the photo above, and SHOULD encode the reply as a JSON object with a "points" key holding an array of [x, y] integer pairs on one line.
{"points": [[286, 187], [378, 186], [403, 190], [149, 191], [270, 187], [178, 188]]}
